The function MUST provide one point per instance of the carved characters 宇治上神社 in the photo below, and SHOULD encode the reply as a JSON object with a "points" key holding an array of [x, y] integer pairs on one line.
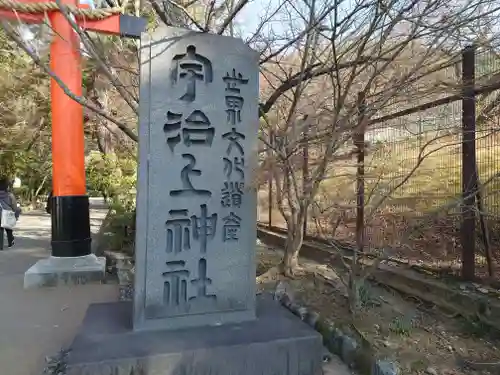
{"points": [[175, 291], [187, 186], [197, 130], [180, 228], [175, 285], [178, 231], [204, 227], [191, 67], [202, 281], [191, 128]]}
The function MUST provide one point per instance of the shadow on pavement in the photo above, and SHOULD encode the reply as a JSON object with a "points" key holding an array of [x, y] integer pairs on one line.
{"points": [[23, 242]]}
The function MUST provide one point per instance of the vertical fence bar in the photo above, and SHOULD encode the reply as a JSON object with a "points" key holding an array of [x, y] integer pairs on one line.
{"points": [[270, 206], [485, 235], [305, 168], [270, 183], [359, 143], [484, 226], [468, 227]]}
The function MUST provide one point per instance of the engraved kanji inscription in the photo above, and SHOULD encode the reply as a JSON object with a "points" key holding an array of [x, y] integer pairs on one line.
{"points": [[234, 105], [202, 282], [197, 129], [187, 186], [180, 228], [234, 100], [235, 164], [204, 227], [175, 286], [234, 137], [178, 231], [173, 124], [231, 227], [191, 67], [232, 194]]}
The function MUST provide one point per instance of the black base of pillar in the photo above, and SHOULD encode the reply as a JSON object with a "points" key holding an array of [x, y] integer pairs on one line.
{"points": [[70, 226]]}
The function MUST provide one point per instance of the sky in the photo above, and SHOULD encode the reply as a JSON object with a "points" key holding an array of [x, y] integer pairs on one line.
{"points": [[250, 17]]}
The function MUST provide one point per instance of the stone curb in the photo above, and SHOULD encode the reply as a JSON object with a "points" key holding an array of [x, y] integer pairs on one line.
{"points": [[99, 236], [337, 341], [120, 264]]}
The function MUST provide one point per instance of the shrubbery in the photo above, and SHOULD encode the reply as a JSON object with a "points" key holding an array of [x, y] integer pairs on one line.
{"points": [[115, 178]]}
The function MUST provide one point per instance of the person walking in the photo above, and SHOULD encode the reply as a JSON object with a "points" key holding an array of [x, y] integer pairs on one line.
{"points": [[7, 202], [48, 206]]}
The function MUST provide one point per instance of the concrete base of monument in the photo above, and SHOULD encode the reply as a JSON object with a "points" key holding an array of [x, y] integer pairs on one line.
{"points": [[276, 343], [55, 271]]}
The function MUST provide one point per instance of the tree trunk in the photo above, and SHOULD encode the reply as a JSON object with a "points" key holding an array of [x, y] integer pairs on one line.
{"points": [[353, 293], [290, 261], [104, 140], [293, 244], [37, 192]]}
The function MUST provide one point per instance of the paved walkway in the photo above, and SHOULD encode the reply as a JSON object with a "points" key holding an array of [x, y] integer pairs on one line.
{"points": [[38, 323]]}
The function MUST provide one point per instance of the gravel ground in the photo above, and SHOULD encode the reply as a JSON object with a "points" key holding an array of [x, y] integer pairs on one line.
{"points": [[56, 365], [126, 292]]}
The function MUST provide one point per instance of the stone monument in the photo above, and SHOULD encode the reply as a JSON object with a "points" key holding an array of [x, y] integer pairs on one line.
{"points": [[195, 309], [196, 217]]}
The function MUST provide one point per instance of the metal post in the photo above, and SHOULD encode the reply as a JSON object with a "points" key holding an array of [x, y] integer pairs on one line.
{"points": [[468, 227], [270, 184], [359, 142], [305, 168]]}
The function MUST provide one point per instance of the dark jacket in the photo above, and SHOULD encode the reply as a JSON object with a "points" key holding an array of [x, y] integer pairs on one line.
{"points": [[9, 202], [47, 206]]}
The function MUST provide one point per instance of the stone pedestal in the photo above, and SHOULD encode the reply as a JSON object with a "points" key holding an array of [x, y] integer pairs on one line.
{"points": [[276, 343], [55, 271]]}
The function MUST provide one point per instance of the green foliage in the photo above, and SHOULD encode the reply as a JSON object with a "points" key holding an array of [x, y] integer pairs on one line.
{"points": [[34, 168], [475, 328], [7, 165], [113, 177], [402, 325], [152, 19], [362, 295], [25, 150], [24, 94], [120, 230]]}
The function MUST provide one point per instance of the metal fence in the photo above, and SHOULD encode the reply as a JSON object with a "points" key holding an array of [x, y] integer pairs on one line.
{"points": [[449, 147]]}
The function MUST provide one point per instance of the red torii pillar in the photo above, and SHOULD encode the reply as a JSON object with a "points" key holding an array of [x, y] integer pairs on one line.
{"points": [[70, 203]]}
